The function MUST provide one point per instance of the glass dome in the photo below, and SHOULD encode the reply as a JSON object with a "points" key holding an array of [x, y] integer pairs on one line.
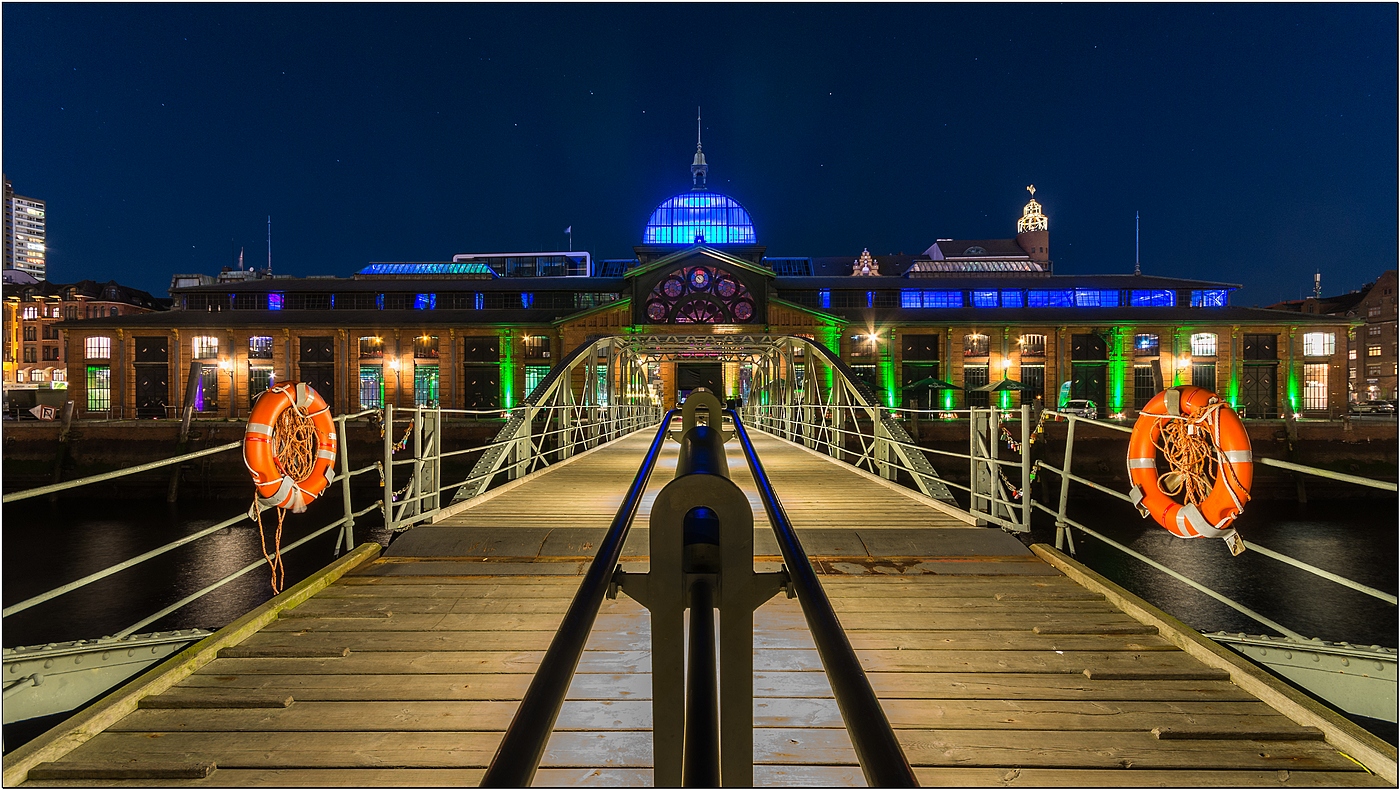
{"points": [[707, 217]]}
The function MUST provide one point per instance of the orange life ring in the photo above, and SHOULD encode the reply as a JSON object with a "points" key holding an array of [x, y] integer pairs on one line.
{"points": [[277, 488], [1234, 466]]}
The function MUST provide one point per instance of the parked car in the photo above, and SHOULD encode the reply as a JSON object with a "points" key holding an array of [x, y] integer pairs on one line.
{"points": [[1373, 407], [1081, 408]]}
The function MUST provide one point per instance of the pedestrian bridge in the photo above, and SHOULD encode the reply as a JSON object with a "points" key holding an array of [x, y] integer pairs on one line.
{"points": [[536, 632], [993, 664]]}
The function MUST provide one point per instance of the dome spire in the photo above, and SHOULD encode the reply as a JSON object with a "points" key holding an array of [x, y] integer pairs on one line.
{"points": [[1032, 219], [698, 168]]}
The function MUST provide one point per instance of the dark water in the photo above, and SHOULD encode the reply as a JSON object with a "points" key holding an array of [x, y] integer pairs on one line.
{"points": [[49, 545]]}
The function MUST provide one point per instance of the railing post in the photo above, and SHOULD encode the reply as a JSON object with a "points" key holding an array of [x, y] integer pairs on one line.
{"points": [[388, 466], [1026, 432], [882, 445], [1062, 533], [415, 492], [348, 531]]}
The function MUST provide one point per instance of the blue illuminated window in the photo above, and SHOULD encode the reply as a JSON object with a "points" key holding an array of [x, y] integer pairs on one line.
{"points": [[1153, 298], [984, 298], [425, 302], [479, 301], [824, 298], [527, 300], [1013, 299], [1086, 297], [931, 299], [707, 217], [869, 298], [430, 268], [379, 301], [1212, 297], [1040, 298], [274, 301]]}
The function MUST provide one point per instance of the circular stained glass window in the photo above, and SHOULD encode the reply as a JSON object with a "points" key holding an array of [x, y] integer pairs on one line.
{"points": [[699, 279], [656, 311], [743, 311], [700, 295], [673, 287], [725, 286]]}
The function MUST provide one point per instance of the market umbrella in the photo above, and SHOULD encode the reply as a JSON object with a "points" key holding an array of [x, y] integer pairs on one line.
{"points": [[1005, 385], [931, 383]]}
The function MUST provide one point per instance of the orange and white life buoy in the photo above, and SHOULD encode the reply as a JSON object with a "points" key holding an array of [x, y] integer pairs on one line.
{"points": [[1198, 413], [289, 446]]}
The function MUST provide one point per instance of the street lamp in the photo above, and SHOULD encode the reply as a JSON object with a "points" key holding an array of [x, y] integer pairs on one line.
{"points": [[398, 379]]}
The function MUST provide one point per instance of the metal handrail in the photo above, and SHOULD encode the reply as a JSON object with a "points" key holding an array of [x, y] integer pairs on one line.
{"points": [[882, 759], [82, 481], [518, 756]]}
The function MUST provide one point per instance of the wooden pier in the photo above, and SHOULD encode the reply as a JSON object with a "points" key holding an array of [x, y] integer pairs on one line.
{"points": [[995, 664]]}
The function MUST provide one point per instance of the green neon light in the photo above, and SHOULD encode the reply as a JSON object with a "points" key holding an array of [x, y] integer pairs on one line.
{"points": [[948, 399], [1004, 399], [887, 375], [507, 371], [1117, 370]]}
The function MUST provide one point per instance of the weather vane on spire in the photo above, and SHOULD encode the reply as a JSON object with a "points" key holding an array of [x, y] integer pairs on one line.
{"points": [[1031, 189], [697, 128], [698, 168]]}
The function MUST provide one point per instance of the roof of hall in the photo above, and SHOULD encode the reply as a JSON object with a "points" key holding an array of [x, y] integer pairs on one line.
{"points": [[991, 248], [410, 284], [225, 319], [964, 282], [1081, 316]]}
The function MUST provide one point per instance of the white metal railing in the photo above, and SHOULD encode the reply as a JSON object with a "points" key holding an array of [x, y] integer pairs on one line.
{"points": [[1064, 537]]}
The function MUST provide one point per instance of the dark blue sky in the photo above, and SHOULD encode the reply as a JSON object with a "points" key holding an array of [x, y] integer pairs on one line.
{"points": [[1258, 141]]}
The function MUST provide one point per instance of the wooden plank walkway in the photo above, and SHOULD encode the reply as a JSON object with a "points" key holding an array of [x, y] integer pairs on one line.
{"points": [[994, 668]]}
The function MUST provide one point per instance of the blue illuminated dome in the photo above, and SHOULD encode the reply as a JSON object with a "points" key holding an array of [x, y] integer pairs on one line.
{"points": [[706, 217]]}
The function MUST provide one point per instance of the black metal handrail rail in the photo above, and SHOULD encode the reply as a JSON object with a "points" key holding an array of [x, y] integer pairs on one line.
{"points": [[520, 752], [882, 759]]}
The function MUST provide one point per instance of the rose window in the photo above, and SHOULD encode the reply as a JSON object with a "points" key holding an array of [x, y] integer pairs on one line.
{"points": [[700, 295]]}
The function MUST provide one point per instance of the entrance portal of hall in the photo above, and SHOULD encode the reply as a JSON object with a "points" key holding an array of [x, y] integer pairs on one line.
{"points": [[692, 375]]}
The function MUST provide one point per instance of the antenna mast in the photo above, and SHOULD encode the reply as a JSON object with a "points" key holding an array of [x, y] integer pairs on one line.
{"points": [[269, 245], [1137, 242]]}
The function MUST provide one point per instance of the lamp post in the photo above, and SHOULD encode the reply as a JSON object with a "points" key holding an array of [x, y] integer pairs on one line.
{"points": [[226, 365], [398, 378]]}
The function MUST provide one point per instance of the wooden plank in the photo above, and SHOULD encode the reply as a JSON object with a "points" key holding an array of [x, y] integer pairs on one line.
{"points": [[431, 662], [366, 749], [995, 686], [306, 688], [1256, 731], [1094, 629], [368, 716], [983, 640], [915, 606], [1175, 673], [311, 777], [288, 650], [962, 714], [1138, 777], [1049, 749], [219, 700], [1021, 661], [76, 771], [1375, 754], [61, 740], [291, 644]]}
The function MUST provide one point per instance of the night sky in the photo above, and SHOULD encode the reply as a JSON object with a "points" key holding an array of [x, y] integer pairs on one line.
{"points": [[1258, 141]]}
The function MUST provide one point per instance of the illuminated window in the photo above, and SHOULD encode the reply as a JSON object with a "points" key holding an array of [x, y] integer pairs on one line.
{"points": [[1043, 298], [1373, 351], [425, 302], [1213, 297], [1319, 344], [98, 348], [1315, 386], [1012, 299], [824, 298], [984, 298], [259, 381], [30, 313], [931, 299], [274, 301], [700, 217], [371, 348], [976, 345], [371, 387], [1203, 344], [536, 346], [1351, 353], [205, 347], [425, 347], [99, 388], [1033, 345], [425, 385], [1085, 297], [527, 300], [260, 347], [1146, 345], [700, 295], [1153, 298], [534, 374]]}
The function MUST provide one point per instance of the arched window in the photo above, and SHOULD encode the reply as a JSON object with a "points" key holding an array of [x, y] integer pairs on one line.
{"points": [[700, 295]]}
